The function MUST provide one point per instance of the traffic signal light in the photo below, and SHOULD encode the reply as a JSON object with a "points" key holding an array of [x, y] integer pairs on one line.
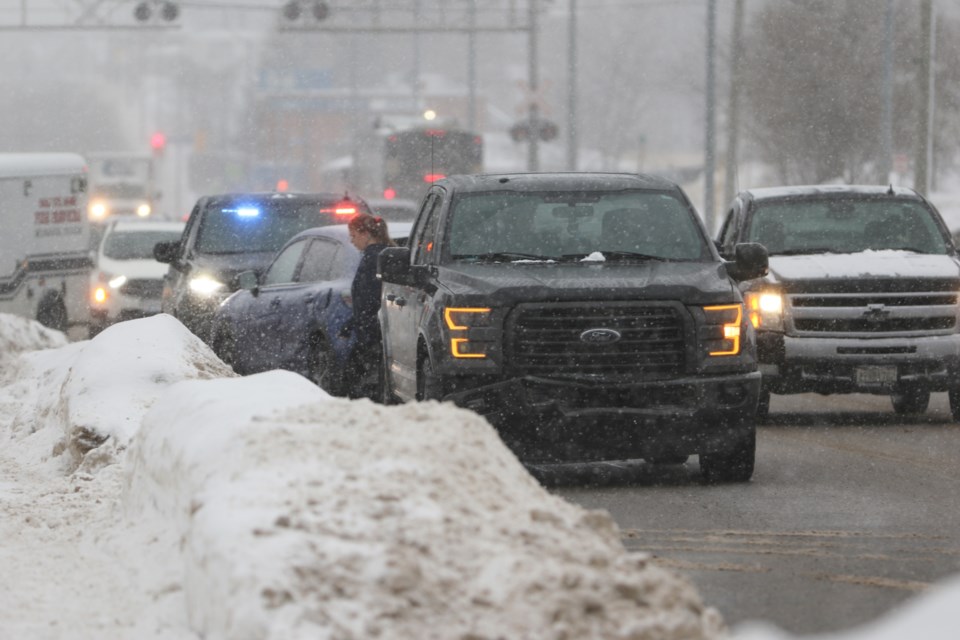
{"points": [[158, 142]]}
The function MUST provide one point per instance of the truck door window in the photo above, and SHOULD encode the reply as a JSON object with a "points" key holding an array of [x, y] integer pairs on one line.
{"points": [[427, 234]]}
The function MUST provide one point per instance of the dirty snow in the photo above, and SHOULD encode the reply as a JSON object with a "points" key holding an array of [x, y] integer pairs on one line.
{"points": [[146, 492]]}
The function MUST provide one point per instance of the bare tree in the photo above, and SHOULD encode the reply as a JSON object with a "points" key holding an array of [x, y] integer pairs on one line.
{"points": [[813, 85]]}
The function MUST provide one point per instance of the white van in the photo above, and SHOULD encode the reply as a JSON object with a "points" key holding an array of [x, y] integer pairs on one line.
{"points": [[45, 258]]}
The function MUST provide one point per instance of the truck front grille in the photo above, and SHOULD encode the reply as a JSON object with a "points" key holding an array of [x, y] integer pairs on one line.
{"points": [[546, 339], [872, 314]]}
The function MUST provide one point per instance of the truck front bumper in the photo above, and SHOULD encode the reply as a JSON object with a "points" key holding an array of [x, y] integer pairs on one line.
{"points": [[550, 420], [858, 365]]}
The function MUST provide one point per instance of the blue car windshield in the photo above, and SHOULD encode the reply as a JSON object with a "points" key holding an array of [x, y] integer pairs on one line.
{"points": [[570, 226]]}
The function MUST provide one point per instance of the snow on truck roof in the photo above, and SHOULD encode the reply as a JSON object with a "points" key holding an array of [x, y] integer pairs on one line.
{"points": [[17, 165], [827, 190]]}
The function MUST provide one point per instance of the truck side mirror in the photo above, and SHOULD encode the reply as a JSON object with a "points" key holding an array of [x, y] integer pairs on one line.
{"points": [[751, 262], [393, 265], [166, 252]]}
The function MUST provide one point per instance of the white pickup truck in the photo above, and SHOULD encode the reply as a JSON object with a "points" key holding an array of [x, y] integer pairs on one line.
{"points": [[45, 259], [861, 295]]}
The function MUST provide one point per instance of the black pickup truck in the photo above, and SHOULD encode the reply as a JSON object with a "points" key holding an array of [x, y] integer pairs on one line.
{"points": [[587, 316]]}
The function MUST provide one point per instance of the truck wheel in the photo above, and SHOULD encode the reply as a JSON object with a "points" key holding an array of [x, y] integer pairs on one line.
{"points": [[51, 313], [428, 384], [732, 465], [910, 401]]}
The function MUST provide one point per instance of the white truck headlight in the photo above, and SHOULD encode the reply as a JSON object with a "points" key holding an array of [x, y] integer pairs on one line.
{"points": [[765, 309]]}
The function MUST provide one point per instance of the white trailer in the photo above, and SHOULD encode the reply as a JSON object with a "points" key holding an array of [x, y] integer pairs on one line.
{"points": [[45, 257]]}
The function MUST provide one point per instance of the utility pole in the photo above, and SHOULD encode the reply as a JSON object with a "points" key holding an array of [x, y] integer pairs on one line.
{"points": [[572, 141], [886, 158], [533, 151], [710, 151], [921, 180], [472, 67], [733, 107]]}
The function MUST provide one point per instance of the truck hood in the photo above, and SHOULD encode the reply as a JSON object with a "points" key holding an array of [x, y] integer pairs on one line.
{"points": [[864, 265], [225, 267], [694, 282]]}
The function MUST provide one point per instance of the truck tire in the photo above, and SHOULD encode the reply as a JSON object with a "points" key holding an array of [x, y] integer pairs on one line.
{"points": [[911, 401], [733, 465], [428, 384]]}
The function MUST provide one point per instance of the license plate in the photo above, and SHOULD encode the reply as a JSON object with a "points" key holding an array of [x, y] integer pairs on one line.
{"points": [[876, 375]]}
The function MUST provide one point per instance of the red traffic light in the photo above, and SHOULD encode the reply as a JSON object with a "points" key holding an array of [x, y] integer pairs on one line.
{"points": [[158, 141]]}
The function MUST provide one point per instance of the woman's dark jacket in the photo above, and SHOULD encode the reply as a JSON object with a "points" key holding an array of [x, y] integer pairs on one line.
{"points": [[366, 290]]}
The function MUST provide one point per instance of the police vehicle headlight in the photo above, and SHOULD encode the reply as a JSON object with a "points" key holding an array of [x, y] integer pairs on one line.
{"points": [[205, 286]]}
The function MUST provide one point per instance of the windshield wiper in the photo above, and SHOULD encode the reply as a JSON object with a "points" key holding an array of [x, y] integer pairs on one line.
{"points": [[631, 255], [499, 256], [800, 252]]}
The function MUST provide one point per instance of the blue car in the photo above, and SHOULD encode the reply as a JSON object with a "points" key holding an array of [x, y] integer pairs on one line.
{"points": [[293, 316]]}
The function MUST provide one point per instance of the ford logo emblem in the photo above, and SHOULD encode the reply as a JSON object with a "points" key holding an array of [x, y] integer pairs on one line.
{"points": [[600, 336]]}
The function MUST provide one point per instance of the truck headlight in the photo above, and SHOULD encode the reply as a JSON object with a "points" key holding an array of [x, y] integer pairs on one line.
{"points": [[205, 286], [724, 324], [116, 283], [143, 210], [459, 321], [765, 309]]}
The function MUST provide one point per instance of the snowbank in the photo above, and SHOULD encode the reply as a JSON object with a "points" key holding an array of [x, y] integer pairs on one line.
{"points": [[263, 508], [19, 335], [931, 616], [313, 517], [94, 393]]}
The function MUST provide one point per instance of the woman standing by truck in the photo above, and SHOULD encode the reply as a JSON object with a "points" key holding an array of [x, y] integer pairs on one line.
{"points": [[368, 234]]}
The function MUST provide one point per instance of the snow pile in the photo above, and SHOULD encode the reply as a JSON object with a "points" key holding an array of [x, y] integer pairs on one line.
{"points": [[931, 616], [305, 516], [260, 507], [18, 335], [95, 392]]}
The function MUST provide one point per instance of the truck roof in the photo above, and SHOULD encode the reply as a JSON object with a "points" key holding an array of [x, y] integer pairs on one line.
{"points": [[17, 165], [826, 190], [571, 181]]}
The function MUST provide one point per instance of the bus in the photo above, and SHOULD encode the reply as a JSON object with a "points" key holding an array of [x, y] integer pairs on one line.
{"points": [[414, 158]]}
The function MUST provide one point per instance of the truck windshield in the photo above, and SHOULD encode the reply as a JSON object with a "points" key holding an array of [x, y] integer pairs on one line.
{"points": [[848, 225], [239, 227], [569, 226]]}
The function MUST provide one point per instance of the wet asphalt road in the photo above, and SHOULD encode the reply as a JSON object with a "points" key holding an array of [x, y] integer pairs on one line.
{"points": [[851, 511]]}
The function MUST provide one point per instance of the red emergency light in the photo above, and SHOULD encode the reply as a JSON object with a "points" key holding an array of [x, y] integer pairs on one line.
{"points": [[389, 193], [433, 177], [345, 208]]}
